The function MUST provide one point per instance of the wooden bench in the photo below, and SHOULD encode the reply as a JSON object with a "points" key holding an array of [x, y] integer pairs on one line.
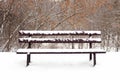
{"points": [[31, 37]]}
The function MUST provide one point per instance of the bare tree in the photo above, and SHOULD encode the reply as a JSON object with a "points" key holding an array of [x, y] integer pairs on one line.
{"points": [[59, 15]]}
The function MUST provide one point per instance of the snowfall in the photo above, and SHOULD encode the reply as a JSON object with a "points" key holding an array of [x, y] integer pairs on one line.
{"points": [[59, 67]]}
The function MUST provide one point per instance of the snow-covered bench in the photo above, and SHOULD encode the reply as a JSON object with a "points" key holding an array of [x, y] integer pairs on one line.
{"points": [[30, 38]]}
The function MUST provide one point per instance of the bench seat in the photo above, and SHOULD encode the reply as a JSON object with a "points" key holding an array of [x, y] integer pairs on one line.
{"points": [[59, 51]]}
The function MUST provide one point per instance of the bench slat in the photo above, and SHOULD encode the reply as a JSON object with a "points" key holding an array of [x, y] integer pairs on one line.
{"points": [[34, 32], [59, 51], [60, 40]]}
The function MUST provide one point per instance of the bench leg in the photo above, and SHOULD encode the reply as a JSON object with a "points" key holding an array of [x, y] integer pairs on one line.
{"points": [[90, 57], [28, 59], [94, 60]]}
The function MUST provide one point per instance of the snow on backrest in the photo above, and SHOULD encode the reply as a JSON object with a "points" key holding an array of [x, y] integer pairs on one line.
{"points": [[60, 40], [34, 32], [30, 36]]}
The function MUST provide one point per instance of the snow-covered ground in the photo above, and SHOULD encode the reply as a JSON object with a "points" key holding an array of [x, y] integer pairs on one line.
{"points": [[59, 67]]}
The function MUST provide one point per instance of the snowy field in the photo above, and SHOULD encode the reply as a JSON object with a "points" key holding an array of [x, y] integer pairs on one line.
{"points": [[59, 67]]}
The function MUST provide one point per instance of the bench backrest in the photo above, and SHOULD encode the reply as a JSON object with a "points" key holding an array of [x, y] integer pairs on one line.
{"points": [[28, 37], [90, 33]]}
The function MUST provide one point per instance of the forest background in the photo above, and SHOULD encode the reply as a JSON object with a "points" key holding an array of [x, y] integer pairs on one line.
{"points": [[103, 15]]}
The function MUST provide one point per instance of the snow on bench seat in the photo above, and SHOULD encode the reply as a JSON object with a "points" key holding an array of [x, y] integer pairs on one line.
{"points": [[58, 51], [56, 40], [34, 32]]}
